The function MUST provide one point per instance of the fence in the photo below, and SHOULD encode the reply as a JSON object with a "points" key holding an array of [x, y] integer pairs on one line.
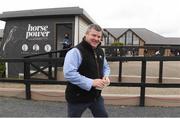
{"points": [[53, 60]]}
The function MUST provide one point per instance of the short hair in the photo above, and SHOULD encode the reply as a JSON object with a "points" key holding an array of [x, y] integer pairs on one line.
{"points": [[94, 26]]}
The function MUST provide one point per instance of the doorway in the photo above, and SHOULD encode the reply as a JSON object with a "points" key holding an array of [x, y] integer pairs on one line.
{"points": [[61, 30]]}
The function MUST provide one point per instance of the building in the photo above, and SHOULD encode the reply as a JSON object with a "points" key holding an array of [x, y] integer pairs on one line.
{"points": [[141, 37], [36, 31], [42, 30], [1, 35]]}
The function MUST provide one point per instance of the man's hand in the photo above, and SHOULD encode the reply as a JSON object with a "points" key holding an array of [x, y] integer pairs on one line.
{"points": [[106, 80], [101, 83], [98, 83]]}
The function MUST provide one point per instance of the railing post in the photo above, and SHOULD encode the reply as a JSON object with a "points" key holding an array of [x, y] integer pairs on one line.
{"points": [[160, 71], [120, 71], [143, 81], [27, 77], [55, 71], [50, 68]]}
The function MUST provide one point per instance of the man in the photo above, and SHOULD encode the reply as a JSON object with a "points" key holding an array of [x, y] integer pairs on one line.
{"points": [[67, 41], [87, 71]]}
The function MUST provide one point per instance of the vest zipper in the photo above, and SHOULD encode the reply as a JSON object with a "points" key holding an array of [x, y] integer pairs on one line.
{"points": [[97, 64]]}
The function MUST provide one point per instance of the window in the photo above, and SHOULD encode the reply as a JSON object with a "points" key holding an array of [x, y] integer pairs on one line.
{"points": [[122, 39], [129, 38], [135, 40], [111, 39]]}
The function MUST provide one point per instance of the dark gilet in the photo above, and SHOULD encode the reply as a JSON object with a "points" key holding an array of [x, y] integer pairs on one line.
{"points": [[91, 67]]}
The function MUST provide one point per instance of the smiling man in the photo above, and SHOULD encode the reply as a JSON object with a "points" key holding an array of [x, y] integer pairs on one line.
{"points": [[87, 72]]}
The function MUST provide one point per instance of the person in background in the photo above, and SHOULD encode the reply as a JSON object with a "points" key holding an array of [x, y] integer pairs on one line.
{"points": [[67, 43], [87, 72]]}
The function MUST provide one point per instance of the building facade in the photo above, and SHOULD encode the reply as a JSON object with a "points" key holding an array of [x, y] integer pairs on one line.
{"points": [[142, 37], [37, 31], [1, 35]]}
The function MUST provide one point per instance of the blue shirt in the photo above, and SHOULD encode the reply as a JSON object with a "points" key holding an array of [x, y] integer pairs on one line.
{"points": [[72, 62]]}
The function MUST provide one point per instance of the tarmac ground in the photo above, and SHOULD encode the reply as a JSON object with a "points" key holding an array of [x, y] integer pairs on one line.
{"points": [[12, 107]]}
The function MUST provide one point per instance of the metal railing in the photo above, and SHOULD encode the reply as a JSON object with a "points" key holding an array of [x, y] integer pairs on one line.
{"points": [[52, 61]]}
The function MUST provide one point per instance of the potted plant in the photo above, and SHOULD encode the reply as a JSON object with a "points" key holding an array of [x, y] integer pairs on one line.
{"points": [[2, 69], [117, 44]]}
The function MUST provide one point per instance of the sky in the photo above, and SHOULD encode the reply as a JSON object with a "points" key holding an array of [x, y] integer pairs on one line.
{"points": [[159, 16]]}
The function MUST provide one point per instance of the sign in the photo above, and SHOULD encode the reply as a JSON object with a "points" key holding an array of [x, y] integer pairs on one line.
{"points": [[36, 37], [47, 48], [25, 47], [37, 32]]}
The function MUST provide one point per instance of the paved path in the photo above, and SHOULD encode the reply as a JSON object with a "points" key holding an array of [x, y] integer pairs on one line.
{"points": [[11, 107]]}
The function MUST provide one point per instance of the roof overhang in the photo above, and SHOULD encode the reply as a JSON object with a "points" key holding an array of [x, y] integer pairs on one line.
{"points": [[65, 11]]}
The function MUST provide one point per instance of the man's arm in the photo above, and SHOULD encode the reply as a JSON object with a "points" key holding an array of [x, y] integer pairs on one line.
{"points": [[106, 68]]}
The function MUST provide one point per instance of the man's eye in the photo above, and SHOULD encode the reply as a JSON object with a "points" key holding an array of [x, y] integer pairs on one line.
{"points": [[94, 35]]}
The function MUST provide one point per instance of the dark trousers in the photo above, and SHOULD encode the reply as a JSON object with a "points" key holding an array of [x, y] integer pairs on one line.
{"points": [[97, 108]]}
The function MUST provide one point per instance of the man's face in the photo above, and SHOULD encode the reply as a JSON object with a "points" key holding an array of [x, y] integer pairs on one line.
{"points": [[93, 37]]}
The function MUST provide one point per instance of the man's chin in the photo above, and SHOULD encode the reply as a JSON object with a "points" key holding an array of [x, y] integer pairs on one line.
{"points": [[94, 46]]}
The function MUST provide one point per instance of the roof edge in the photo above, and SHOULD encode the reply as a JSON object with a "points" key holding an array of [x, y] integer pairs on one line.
{"points": [[42, 12]]}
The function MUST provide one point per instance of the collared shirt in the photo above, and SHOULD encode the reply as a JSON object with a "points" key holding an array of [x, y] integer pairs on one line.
{"points": [[72, 62]]}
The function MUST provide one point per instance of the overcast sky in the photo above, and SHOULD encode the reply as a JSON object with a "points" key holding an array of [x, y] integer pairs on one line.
{"points": [[160, 16]]}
